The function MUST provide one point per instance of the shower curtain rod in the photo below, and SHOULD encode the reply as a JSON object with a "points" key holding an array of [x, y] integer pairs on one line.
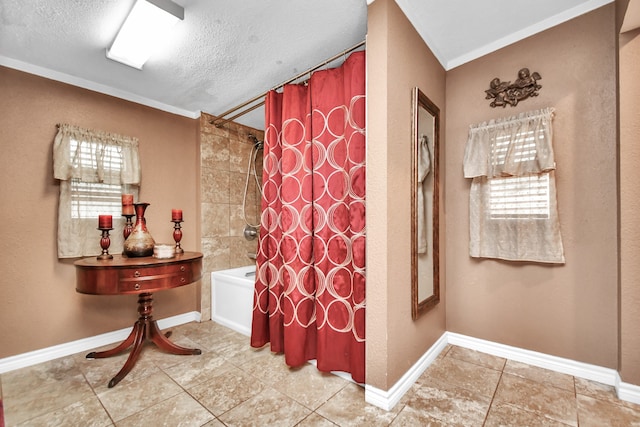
{"points": [[220, 121]]}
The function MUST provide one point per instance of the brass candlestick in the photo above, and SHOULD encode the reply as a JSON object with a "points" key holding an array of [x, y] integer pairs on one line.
{"points": [[105, 242], [177, 235]]}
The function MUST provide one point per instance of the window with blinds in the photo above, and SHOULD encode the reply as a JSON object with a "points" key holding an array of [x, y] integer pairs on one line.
{"points": [[518, 197], [90, 199], [524, 143], [94, 168], [513, 211]]}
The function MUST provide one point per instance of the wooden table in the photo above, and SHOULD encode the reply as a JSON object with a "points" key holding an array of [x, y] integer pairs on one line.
{"points": [[142, 276]]}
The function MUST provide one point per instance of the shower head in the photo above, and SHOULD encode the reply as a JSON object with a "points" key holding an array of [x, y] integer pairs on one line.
{"points": [[256, 144]]}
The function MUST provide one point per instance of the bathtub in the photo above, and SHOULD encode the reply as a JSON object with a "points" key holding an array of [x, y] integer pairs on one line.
{"points": [[232, 298]]}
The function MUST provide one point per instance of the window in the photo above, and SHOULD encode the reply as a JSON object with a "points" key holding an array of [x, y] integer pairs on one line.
{"points": [[94, 168], [89, 199], [513, 212], [519, 197], [523, 145]]}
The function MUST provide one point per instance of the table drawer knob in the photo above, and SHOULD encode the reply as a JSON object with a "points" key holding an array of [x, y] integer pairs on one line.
{"points": [[137, 286], [182, 268], [136, 274], [182, 280]]}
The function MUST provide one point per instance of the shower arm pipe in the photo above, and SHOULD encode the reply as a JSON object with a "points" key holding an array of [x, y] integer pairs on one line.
{"points": [[220, 120]]}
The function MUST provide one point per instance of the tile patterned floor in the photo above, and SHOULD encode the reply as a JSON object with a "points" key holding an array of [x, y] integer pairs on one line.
{"points": [[231, 384]]}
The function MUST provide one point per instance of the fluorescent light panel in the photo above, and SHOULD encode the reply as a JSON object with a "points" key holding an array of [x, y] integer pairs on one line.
{"points": [[144, 30]]}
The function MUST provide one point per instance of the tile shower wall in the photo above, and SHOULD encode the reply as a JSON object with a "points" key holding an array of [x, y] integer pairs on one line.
{"points": [[224, 158]]}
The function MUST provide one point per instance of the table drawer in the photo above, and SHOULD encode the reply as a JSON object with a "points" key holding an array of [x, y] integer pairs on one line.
{"points": [[149, 279]]}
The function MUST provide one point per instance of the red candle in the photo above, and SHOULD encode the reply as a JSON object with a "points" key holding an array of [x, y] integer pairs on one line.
{"points": [[127, 204], [104, 221], [127, 199], [176, 214]]}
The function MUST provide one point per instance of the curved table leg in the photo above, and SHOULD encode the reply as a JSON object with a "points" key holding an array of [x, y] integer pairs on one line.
{"points": [[161, 341], [118, 349], [133, 356], [145, 327]]}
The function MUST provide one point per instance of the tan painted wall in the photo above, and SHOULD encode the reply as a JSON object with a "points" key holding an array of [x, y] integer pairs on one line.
{"points": [[629, 207], [397, 61], [568, 311], [38, 304]]}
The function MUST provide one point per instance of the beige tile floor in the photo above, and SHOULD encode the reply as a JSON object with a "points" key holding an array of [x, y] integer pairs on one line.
{"points": [[231, 384]]}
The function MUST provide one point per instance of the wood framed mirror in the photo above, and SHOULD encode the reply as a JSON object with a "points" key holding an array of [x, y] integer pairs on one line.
{"points": [[425, 205]]}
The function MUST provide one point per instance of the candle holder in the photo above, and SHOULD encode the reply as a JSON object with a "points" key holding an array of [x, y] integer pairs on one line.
{"points": [[105, 242], [177, 235], [128, 226]]}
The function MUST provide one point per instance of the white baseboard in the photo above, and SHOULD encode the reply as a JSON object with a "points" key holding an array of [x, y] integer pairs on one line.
{"points": [[627, 392], [388, 399], [553, 363], [46, 354]]}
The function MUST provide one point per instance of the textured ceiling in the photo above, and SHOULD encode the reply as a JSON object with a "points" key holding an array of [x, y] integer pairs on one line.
{"points": [[228, 51], [224, 52]]}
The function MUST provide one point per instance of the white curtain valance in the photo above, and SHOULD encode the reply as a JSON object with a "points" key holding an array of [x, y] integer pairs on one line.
{"points": [[513, 211], [512, 146], [88, 155]]}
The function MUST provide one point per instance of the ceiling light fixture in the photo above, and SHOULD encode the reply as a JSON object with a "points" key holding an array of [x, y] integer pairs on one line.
{"points": [[144, 30]]}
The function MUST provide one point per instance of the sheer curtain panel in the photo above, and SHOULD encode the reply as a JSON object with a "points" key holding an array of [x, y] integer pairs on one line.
{"points": [[512, 203], [94, 169]]}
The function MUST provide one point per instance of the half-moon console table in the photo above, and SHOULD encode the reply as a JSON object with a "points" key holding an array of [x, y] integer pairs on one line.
{"points": [[142, 276]]}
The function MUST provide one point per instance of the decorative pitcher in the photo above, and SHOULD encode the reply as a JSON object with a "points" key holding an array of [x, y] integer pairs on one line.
{"points": [[139, 243]]}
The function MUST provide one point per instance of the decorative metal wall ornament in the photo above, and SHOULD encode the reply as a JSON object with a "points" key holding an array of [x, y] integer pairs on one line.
{"points": [[503, 93]]}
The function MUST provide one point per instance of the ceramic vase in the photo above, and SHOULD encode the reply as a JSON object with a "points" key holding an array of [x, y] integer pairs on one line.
{"points": [[139, 243]]}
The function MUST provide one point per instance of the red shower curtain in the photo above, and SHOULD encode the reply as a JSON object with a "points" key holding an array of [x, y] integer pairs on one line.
{"points": [[309, 298]]}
